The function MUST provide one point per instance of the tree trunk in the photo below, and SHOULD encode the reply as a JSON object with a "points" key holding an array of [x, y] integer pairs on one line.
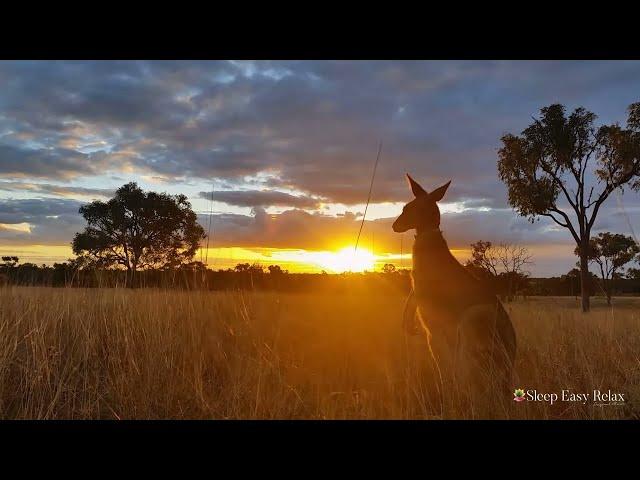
{"points": [[584, 275], [130, 278]]}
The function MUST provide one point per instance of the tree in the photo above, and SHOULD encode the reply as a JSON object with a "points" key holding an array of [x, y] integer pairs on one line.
{"points": [[483, 259], [10, 261], [546, 171], [514, 260], [633, 273], [611, 252], [276, 270], [389, 268], [139, 230], [572, 277], [193, 267], [249, 268], [504, 263]]}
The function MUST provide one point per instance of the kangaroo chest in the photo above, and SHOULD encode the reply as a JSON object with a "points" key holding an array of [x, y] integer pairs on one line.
{"points": [[441, 288]]}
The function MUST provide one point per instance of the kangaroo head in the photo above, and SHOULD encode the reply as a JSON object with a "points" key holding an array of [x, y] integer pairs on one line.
{"points": [[421, 213]]}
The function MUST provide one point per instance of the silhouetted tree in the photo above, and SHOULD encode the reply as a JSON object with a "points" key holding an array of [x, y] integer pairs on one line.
{"points": [[249, 268], [389, 268], [503, 263], [572, 277], [483, 260], [193, 267], [139, 230], [548, 166], [276, 270], [611, 252], [514, 260], [256, 268], [10, 261], [633, 273]]}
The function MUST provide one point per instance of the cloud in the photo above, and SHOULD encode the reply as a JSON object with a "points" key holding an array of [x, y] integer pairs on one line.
{"points": [[314, 124], [316, 231], [43, 163], [59, 190], [266, 128], [261, 198], [39, 221]]}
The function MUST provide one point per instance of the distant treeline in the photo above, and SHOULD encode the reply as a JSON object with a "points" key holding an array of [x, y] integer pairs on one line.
{"points": [[195, 277], [255, 277]]}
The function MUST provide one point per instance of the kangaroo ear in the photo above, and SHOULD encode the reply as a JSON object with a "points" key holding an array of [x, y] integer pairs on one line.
{"points": [[415, 187], [439, 192]]}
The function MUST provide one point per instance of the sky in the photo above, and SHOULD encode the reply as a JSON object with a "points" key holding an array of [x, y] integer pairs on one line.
{"points": [[280, 153]]}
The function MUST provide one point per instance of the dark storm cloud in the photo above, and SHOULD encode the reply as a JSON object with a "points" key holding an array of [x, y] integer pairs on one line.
{"points": [[49, 222], [31, 162], [260, 198], [60, 190], [25, 210]]}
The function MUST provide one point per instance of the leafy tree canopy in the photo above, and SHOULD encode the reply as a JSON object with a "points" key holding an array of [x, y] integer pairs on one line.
{"points": [[551, 158], [564, 168], [611, 251], [139, 230]]}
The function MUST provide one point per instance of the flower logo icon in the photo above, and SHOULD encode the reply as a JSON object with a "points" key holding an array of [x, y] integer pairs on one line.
{"points": [[518, 395]]}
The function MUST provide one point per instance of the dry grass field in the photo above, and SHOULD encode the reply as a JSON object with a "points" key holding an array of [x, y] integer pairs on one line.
{"points": [[154, 354]]}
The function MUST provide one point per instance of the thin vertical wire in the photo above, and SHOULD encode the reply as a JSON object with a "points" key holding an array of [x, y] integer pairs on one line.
{"points": [[373, 176], [626, 216], [206, 260]]}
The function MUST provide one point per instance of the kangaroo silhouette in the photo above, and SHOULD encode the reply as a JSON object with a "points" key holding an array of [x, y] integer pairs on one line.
{"points": [[467, 328]]}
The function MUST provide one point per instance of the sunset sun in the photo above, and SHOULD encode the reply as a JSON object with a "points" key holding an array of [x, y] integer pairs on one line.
{"points": [[347, 259]]}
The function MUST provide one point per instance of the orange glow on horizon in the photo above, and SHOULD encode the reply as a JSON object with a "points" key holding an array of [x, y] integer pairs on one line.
{"points": [[341, 260], [348, 259], [296, 260]]}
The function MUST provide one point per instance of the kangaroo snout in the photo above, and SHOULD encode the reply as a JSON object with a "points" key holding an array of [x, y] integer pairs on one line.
{"points": [[397, 227]]}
